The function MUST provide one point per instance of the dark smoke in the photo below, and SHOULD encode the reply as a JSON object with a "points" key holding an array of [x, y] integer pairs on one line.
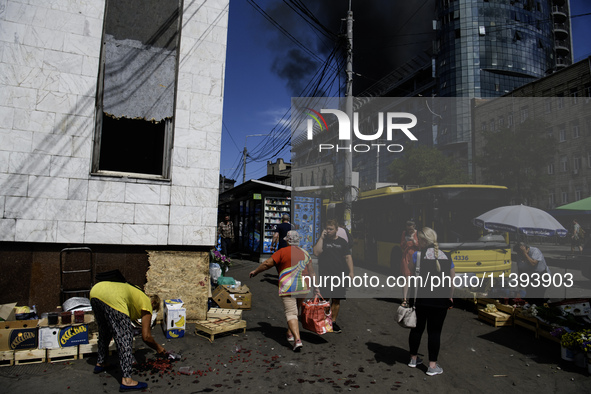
{"points": [[386, 34], [294, 68]]}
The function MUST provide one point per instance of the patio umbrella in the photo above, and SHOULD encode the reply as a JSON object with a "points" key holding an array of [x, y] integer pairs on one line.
{"points": [[583, 206], [520, 219]]}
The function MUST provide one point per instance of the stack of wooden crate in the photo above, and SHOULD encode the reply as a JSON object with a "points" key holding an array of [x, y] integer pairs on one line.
{"points": [[219, 321]]}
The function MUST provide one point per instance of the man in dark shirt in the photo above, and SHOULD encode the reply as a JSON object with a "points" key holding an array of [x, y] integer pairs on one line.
{"points": [[226, 231], [281, 230], [335, 259]]}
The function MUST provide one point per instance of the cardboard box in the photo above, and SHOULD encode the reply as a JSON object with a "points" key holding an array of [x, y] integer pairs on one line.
{"points": [[580, 308], [60, 336], [18, 335], [175, 317], [7, 312], [49, 337], [233, 298]]}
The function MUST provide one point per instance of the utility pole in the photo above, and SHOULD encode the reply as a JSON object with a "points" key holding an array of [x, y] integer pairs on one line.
{"points": [[349, 111], [244, 163], [245, 153]]}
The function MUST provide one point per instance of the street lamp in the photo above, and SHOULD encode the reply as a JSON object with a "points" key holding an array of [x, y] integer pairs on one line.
{"points": [[244, 154]]}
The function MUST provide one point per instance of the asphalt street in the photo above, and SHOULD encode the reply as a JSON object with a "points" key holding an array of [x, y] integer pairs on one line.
{"points": [[370, 354]]}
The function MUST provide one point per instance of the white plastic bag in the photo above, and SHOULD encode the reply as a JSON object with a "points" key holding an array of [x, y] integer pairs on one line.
{"points": [[215, 271]]}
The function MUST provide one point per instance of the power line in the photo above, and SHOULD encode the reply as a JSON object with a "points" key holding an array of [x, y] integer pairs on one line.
{"points": [[230, 135], [282, 30]]}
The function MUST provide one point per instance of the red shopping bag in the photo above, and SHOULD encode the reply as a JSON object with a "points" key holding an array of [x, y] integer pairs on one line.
{"points": [[316, 316]]}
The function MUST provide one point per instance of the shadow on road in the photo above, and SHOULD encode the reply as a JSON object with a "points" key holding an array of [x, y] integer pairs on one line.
{"points": [[278, 334], [389, 355]]}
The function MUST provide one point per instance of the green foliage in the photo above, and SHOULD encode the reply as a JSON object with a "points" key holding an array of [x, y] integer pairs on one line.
{"points": [[426, 166], [518, 158]]}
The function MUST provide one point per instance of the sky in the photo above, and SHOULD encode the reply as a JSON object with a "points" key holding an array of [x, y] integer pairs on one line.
{"points": [[257, 98]]}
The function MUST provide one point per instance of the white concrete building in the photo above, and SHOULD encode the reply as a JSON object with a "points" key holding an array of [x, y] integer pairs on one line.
{"points": [[110, 123]]}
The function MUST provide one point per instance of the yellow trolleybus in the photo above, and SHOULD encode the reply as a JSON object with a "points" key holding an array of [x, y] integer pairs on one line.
{"points": [[379, 217]]}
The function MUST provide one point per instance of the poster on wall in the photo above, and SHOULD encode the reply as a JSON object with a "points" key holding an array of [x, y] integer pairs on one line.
{"points": [[306, 218]]}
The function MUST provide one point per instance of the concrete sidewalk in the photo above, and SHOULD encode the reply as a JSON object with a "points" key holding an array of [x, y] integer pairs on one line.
{"points": [[370, 354]]}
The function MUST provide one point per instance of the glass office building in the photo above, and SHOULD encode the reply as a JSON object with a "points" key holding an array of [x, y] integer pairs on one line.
{"points": [[486, 48]]}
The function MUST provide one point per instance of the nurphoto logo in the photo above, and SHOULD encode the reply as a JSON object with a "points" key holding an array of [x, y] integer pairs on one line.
{"points": [[402, 121]]}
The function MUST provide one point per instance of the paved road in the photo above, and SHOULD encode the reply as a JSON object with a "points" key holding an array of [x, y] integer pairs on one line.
{"points": [[370, 355]]}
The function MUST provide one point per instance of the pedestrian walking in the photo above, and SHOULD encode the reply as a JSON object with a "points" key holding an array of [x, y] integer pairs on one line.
{"points": [[577, 237], [293, 264], [334, 260], [431, 305]]}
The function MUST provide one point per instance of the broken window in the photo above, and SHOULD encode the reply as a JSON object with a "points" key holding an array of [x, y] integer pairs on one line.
{"points": [[137, 83]]}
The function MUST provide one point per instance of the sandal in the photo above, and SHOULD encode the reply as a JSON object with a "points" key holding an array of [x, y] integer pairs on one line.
{"points": [[297, 346]]}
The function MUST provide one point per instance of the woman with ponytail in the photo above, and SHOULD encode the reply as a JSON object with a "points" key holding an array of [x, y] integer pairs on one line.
{"points": [[431, 303]]}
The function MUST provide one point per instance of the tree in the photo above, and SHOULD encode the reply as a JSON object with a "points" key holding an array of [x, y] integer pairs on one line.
{"points": [[426, 166], [517, 158]]}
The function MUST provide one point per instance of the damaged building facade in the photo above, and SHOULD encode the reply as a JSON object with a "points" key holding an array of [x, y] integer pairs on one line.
{"points": [[110, 140]]}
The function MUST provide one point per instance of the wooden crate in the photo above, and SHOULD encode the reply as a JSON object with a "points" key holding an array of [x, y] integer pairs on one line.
{"points": [[496, 319], [529, 323], [483, 302], [88, 349], [220, 313], [32, 356], [212, 327], [7, 358], [92, 348], [505, 308], [63, 354]]}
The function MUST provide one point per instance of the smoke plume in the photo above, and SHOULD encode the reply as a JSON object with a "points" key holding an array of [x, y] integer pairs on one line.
{"points": [[386, 34]]}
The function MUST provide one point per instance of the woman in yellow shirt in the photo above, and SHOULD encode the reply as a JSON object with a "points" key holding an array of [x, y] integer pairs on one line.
{"points": [[115, 305]]}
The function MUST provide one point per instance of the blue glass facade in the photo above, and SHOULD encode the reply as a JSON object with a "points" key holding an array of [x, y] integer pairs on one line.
{"points": [[487, 48]]}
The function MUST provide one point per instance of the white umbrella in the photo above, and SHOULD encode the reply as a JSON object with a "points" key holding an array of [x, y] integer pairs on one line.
{"points": [[520, 219]]}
